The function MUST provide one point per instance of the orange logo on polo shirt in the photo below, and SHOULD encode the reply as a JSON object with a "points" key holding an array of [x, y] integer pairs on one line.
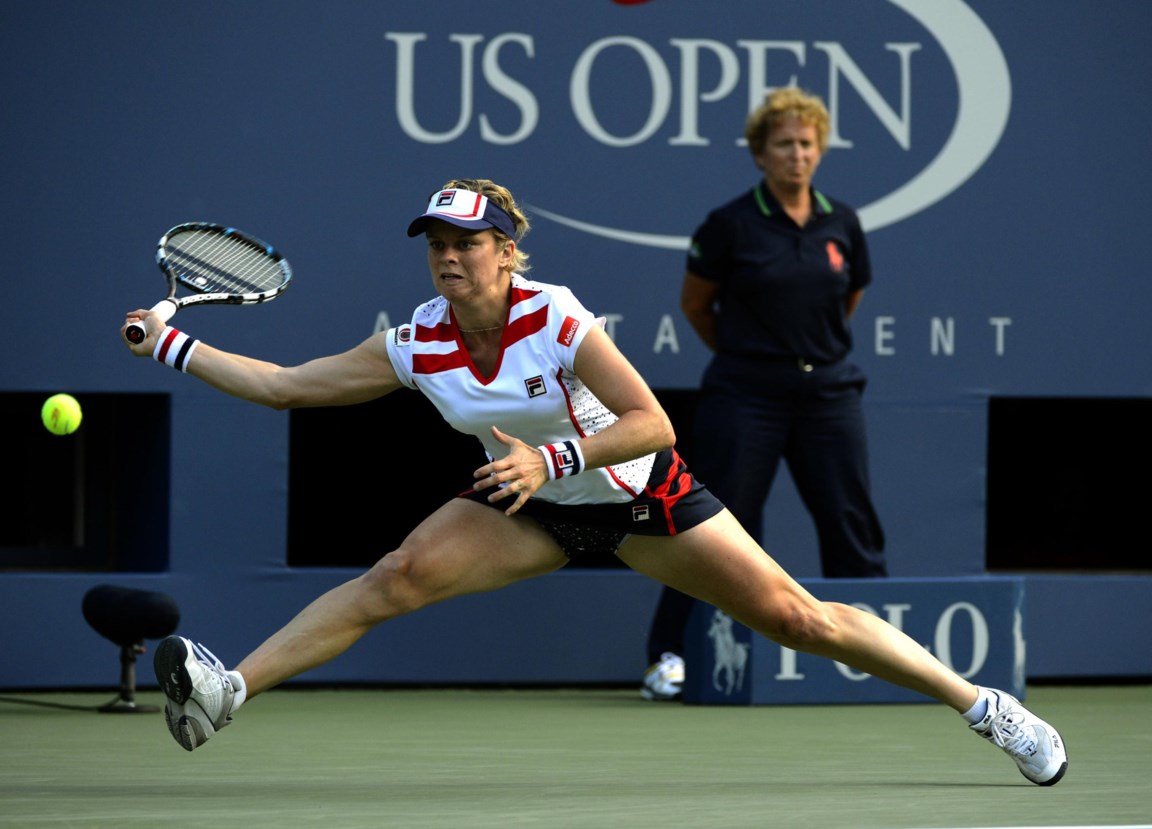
{"points": [[568, 331], [835, 257]]}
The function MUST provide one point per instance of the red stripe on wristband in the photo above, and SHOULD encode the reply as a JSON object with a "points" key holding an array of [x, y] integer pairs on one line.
{"points": [[174, 348], [167, 337]]}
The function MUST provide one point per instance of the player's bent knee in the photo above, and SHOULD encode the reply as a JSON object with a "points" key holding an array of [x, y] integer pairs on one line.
{"points": [[801, 626], [395, 585]]}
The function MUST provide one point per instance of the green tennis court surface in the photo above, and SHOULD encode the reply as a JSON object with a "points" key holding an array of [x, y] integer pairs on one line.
{"points": [[566, 758]]}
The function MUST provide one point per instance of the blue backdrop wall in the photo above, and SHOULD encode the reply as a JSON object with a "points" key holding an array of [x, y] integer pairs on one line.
{"points": [[994, 150]]}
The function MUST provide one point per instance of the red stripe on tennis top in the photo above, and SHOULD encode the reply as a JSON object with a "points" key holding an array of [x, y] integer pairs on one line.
{"points": [[441, 333], [525, 326], [517, 330], [433, 363], [521, 294]]}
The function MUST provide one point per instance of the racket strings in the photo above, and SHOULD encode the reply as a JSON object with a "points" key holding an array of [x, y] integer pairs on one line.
{"points": [[215, 262]]}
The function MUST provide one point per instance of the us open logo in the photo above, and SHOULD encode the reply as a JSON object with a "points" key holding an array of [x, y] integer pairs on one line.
{"points": [[933, 62]]}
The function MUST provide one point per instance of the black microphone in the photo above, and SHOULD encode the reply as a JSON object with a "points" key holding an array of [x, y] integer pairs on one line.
{"points": [[127, 616]]}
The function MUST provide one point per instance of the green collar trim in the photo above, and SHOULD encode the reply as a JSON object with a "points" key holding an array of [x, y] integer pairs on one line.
{"points": [[758, 193], [761, 201]]}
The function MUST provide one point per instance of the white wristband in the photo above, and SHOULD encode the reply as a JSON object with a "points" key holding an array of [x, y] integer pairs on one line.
{"points": [[563, 459], [174, 348]]}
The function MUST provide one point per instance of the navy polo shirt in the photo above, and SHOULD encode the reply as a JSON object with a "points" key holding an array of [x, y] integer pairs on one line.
{"points": [[782, 287]]}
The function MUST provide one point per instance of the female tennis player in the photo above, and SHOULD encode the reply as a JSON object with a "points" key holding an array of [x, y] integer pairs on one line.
{"points": [[581, 457]]}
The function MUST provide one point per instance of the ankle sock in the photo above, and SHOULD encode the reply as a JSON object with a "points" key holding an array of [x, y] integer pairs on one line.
{"points": [[977, 712], [240, 688]]}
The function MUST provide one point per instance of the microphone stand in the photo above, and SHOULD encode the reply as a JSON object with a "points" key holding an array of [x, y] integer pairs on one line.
{"points": [[126, 702]]}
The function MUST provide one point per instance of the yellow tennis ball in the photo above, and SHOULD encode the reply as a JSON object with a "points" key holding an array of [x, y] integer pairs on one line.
{"points": [[61, 414]]}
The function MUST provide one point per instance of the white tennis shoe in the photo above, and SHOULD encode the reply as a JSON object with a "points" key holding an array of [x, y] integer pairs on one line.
{"points": [[664, 681], [1036, 746], [199, 691]]}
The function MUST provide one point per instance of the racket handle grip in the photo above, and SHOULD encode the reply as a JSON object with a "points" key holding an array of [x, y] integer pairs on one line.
{"points": [[135, 333]]}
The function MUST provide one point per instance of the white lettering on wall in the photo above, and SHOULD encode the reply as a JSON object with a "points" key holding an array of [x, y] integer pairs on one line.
{"points": [[840, 63], [999, 326], [978, 66], [666, 336], [406, 86], [942, 340], [884, 335], [788, 671], [980, 638], [760, 81], [942, 336], [658, 105], [690, 94]]}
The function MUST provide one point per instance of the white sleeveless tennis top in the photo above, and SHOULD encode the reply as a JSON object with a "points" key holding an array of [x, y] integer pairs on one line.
{"points": [[534, 393]]}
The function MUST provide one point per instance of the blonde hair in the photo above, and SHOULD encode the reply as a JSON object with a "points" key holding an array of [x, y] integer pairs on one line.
{"points": [[502, 196], [787, 102]]}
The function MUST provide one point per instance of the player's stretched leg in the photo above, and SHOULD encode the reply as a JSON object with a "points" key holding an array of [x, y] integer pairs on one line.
{"points": [[719, 563], [463, 547]]}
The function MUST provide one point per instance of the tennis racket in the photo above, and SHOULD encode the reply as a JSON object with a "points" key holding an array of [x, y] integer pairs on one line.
{"points": [[220, 265]]}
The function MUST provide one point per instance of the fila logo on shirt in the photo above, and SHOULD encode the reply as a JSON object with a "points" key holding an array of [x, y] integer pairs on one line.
{"points": [[535, 386]]}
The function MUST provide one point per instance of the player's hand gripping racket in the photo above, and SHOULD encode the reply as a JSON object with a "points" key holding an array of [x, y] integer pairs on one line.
{"points": [[221, 265]]}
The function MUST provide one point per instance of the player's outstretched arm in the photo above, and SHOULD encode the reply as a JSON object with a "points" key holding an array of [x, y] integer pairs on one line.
{"points": [[355, 376]]}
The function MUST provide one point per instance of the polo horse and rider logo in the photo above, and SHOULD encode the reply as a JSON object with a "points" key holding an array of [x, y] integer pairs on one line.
{"points": [[729, 656]]}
